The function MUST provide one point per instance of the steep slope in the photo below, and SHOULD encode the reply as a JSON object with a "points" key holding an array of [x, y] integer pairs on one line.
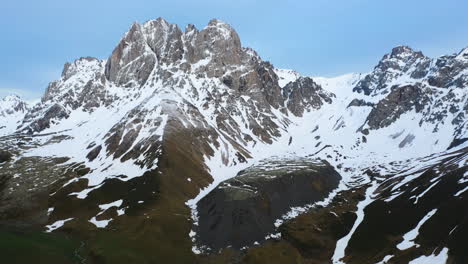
{"points": [[434, 89], [121, 153]]}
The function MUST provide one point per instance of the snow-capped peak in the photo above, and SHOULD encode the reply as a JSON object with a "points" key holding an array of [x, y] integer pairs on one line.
{"points": [[12, 111], [463, 54], [12, 104], [160, 81], [403, 51], [286, 76]]}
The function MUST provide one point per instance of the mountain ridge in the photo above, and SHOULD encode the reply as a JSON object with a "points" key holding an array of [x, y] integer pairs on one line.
{"points": [[193, 109]]}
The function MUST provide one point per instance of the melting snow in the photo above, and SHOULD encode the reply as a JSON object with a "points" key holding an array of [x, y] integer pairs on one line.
{"points": [[57, 224], [343, 242], [99, 223], [117, 203], [408, 238], [432, 259], [385, 259]]}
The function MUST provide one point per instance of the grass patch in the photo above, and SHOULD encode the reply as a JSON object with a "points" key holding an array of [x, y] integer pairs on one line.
{"points": [[38, 247]]}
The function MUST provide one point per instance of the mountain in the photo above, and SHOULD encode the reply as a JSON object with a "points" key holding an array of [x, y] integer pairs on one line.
{"points": [[12, 111], [184, 146]]}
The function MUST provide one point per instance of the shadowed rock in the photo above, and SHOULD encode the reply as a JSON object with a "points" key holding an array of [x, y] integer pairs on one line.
{"points": [[243, 210], [5, 156], [304, 94], [401, 100]]}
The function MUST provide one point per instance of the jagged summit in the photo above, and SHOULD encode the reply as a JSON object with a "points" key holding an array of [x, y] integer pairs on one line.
{"points": [[12, 104], [12, 111], [11, 97], [157, 43], [404, 51], [404, 64], [463, 54]]}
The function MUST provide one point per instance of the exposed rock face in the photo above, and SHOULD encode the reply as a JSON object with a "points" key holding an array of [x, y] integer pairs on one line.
{"points": [[450, 71], [132, 60], [243, 210], [304, 94], [56, 112], [402, 60], [214, 52], [360, 102], [164, 39], [431, 91], [224, 44], [400, 100]]}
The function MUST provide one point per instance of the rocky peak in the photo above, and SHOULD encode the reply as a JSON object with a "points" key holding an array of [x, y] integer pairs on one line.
{"points": [[219, 43], [12, 104], [407, 82], [404, 64], [190, 28], [70, 69], [450, 71], [286, 76], [400, 62], [75, 75], [132, 60], [404, 52], [164, 39], [12, 111], [213, 52], [463, 54], [221, 30], [157, 42], [401, 58]]}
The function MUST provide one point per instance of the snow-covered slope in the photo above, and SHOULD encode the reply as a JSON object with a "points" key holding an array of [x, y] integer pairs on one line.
{"points": [[12, 112]]}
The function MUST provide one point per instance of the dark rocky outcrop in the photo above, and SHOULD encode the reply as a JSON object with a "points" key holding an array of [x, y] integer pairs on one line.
{"points": [[55, 112], [400, 100], [94, 153], [304, 94], [447, 71], [243, 210], [360, 102], [5, 156]]}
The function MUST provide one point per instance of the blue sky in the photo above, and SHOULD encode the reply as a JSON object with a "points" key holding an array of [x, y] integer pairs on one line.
{"points": [[314, 37]]}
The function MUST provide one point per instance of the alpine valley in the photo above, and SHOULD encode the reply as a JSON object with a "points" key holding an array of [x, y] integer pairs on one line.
{"points": [[185, 147]]}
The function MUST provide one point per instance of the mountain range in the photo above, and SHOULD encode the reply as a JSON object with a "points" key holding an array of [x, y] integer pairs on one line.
{"points": [[186, 147]]}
